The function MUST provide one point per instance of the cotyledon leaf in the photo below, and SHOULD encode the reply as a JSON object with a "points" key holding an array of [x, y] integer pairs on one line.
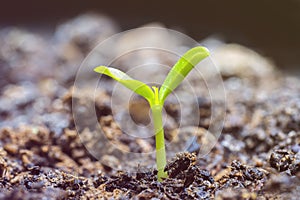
{"points": [[132, 84], [181, 69]]}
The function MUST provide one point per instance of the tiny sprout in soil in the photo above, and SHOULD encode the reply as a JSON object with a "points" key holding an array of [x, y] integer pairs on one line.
{"points": [[156, 96]]}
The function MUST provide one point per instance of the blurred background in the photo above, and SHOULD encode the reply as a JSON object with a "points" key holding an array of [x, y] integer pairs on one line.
{"points": [[271, 27], [42, 45]]}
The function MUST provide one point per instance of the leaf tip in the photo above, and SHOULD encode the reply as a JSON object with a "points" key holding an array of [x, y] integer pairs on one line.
{"points": [[205, 51], [100, 69], [202, 50]]}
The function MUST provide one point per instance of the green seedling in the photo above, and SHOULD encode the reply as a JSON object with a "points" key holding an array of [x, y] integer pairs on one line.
{"points": [[156, 96]]}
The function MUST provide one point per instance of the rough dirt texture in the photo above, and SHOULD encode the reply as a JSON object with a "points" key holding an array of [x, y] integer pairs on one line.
{"points": [[42, 157]]}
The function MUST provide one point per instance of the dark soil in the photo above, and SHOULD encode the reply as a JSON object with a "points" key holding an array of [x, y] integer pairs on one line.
{"points": [[42, 156]]}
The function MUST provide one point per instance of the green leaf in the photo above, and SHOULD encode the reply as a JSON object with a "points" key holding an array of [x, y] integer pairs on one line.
{"points": [[181, 69], [132, 84]]}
